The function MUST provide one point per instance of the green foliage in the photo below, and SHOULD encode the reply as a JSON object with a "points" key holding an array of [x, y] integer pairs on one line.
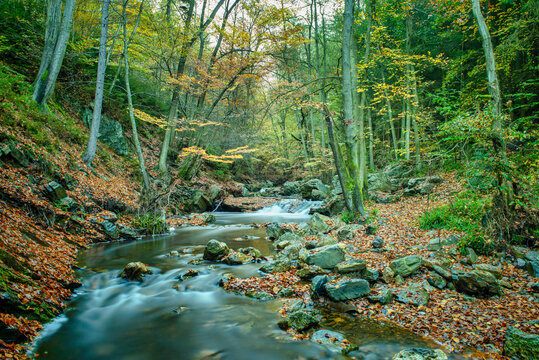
{"points": [[478, 242], [464, 214], [349, 217], [150, 224]]}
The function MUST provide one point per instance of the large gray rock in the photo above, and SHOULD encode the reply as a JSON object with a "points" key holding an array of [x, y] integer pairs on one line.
{"points": [[313, 189], [310, 271], [275, 231], [420, 354], [532, 263], [110, 229], [347, 289], [135, 271], [290, 188], [277, 265], [317, 286], [521, 345], [477, 283], [319, 223], [494, 270], [290, 252], [333, 341], [407, 265], [327, 257], [215, 250], [111, 132]]}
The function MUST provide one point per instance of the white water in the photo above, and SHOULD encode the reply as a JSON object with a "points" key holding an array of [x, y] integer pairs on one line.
{"points": [[290, 206]]}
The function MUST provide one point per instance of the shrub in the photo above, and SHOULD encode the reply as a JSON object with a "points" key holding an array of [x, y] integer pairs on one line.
{"points": [[349, 217], [150, 224], [478, 242]]}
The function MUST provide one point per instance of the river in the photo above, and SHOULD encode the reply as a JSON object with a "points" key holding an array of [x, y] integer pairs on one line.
{"points": [[163, 318]]}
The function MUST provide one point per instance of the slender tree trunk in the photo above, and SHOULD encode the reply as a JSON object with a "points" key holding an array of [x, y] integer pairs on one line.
{"points": [[56, 38], [348, 106], [339, 168], [371, 140], [129, 96], [390, 117], [89, 155]]}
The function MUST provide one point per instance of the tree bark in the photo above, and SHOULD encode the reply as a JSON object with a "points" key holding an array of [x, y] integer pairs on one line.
{"points": [[56, 38], [89, 155]]}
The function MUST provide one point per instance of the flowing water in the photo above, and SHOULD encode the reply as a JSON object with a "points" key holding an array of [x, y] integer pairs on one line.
{"points": [[163, 318]]}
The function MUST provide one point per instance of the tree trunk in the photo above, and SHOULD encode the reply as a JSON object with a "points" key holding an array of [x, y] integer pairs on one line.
{"points": [[89, 155], [129, 97], [348, 105], [390, 117], [56, 38], [337, 158]]}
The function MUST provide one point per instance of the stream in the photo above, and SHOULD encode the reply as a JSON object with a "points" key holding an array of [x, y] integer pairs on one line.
{"points": [[111, 318]]}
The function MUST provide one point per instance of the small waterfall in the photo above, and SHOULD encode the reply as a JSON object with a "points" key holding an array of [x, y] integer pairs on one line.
{"points": [[291, 206]]}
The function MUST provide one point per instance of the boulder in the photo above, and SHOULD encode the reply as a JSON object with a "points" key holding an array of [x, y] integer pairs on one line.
{"points": [[420, 354], [494, 270], [310, 271], [224, 279], [317, 286], [378, 182], [333, 341], [471, 256], [135, 271], [327, 257], [209, 218], [277, 265], [259, 295], [302, 320], [351, 266], [347, 289], [54, 192], [290, 252], [290, 188], [319, 223], [309, 187], [443, 272], [521, 345], [345, 233], [189, 274], [126, 232], [384, 297], [437, 281], [477, 283], [236, 258], [532, 263], [371, 275], [110, 132], [407, 265], [275, 231], [388, 275], [251, 251], [215, 250], [377, 243], [110, 229]]}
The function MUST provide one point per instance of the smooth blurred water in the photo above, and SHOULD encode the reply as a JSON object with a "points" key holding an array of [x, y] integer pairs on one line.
{"points": [[111, 318]]}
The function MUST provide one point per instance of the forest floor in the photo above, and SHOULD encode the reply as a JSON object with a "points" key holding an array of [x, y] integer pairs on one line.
{"points": [[473, 326]]}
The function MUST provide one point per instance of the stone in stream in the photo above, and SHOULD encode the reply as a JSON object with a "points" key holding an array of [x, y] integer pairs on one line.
{"points": [[477, 283], [127, 232], [521, 345], [259, 295], [224, 279], [347, 289], [327, 257], [333, 341], [235, 258], [110, 229], [215, 250], [251, 251], [277, 265], [302, 320], [275, 231], [290, 252], [135, 271], [420, 354], [405, 266], [189, 274]]}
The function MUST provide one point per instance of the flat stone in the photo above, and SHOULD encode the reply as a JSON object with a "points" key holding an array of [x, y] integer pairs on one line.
{"points": [[476, 283], [494, 270], [333, 341], [413, 295], [350, 266], [407, 265], [302, 320], [235, 258], [347, 289], [327, 257]]}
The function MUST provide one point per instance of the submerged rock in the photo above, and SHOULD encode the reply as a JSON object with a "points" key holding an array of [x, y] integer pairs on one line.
{"points": [[277, 265], [215, 250], [135, 271], [420, 354], [189, 274], [302, 320], [237, 259], [333, 340]]}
